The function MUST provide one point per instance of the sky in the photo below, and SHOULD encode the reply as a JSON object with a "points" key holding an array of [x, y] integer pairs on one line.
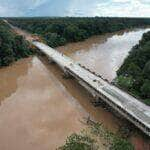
{"points": [[117, 8]]}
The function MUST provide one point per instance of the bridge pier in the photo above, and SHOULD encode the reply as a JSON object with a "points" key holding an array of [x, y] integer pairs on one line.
{"points": [[96, 101], [50, 61], [66, 75]]}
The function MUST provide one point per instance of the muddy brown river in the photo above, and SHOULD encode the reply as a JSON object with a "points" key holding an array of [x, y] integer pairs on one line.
{"points": [[37, 113], [104, 54], [39, 109]]}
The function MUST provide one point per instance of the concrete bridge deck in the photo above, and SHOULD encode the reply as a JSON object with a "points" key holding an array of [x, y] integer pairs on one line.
{"points": [[128, 106]]}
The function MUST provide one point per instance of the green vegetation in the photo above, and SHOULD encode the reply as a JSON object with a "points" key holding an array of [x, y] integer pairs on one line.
{"points": [[58, 31], [121, 144], [134, 74], [12, 46], [79, 142], [96, 137]]}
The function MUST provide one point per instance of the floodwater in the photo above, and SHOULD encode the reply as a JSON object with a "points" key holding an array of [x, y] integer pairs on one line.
{"points": [[104, 54], [39, 109], [36, 112]]}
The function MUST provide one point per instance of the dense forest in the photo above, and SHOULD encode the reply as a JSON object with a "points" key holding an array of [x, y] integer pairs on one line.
{"points": [[12, 46], [58, 31], [134, 74]]}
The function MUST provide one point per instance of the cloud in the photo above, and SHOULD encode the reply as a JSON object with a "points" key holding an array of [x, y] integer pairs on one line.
{"points": [[121, 1], [125, 8], [37, 3], [120, 8], [18, 7]]}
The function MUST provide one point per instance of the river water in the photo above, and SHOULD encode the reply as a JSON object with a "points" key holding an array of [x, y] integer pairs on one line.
{"points": [[104, 54], [39, 109], [37, 113]]}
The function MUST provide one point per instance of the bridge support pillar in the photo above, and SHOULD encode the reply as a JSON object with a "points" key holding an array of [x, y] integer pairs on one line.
{"points": [[66, 75], [50, 61], [96, 102]]}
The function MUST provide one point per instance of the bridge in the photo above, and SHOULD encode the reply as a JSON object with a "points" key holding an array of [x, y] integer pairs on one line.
{"points": [[126, 105]]}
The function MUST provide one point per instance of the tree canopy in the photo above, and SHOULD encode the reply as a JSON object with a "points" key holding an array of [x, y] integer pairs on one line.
{"points": [[12, 46], [57, 31], [136, 67]]}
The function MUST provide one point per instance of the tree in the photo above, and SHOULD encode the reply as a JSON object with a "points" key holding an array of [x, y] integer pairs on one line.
{"points": [[6, 54], [133, 70], [146, 70], [145, 89], [71, 33], [121, 144], [137, 65], [125, 82], [12, 46], [20, 47], [53, 39], [79, 142]]}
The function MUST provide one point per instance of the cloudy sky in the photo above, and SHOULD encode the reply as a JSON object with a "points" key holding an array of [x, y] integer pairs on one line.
{"points": [[130, 8]]}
